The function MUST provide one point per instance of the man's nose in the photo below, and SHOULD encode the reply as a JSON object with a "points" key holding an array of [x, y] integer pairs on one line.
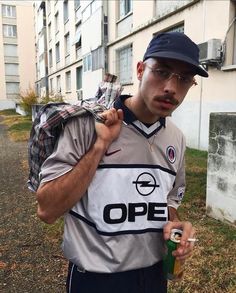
{"points": [[171, 84]]}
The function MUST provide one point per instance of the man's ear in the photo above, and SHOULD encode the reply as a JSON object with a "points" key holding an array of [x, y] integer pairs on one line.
{"points": [[140, 70]]}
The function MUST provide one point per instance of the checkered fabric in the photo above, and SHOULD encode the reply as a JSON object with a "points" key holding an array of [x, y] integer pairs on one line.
{"points": [[45, 132]]}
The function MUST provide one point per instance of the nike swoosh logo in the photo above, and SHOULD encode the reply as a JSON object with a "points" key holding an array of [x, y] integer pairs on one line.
{"points": [[112, 153]]}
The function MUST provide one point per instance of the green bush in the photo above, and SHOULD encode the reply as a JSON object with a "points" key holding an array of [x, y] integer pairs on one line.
{"points": [[27, 99], [51, 98]]}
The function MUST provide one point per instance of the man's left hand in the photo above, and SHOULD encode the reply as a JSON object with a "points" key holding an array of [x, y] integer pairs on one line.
{"points": [[185, 247]]}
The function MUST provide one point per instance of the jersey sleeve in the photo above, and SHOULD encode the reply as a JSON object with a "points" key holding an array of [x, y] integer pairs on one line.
{"points": [[176, 195], [75, 140]]}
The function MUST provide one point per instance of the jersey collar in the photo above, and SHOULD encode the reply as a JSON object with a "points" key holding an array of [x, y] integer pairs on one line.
{"points": [[129, 116]]}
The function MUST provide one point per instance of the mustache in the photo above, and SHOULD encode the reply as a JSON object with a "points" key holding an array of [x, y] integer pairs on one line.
{"points": [[167, 98]]}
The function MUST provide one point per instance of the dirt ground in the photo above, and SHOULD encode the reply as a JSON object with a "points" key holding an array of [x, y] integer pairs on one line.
{"points": [[29, 261]]}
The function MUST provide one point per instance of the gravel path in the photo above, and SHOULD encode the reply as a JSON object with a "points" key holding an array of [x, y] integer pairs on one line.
{"points": [[30, 259]]}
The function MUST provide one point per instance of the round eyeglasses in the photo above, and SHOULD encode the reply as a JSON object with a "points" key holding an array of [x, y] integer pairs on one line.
{"points": [[185, 81]]}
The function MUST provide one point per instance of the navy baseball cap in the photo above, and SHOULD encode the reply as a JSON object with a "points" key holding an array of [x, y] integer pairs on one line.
{"points": [[177, 46]]}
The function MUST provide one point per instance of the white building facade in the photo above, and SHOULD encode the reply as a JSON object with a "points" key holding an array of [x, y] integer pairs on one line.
{"points": [[71, 41], [17, 52]]}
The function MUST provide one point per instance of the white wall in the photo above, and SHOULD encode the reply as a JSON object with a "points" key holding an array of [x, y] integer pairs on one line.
{"points": [[221, 174]]}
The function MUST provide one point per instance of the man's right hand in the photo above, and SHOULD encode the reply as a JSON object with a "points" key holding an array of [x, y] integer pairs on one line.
{"points": [[108, 131], [70, 187]]}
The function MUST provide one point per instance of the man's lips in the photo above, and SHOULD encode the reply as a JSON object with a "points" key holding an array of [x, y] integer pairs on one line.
{"points": [[167, 102]]}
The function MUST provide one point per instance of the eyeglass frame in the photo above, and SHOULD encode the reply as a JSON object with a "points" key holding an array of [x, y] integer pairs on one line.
{"points": [[171, 74]]}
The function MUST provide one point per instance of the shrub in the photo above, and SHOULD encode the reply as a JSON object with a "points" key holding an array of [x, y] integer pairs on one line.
{"points": [[51, 98], [27, 99]]}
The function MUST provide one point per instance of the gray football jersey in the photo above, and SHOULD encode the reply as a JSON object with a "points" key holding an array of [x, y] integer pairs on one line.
{"points": [[118, 223]]}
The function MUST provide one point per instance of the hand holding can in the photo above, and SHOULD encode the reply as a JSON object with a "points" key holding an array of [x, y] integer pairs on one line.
{"points": [[173, 268]]}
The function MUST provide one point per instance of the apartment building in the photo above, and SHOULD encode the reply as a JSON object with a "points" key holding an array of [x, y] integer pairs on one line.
{"points": [[78, 41], [211, 24], [17, 53], [71, 43]]}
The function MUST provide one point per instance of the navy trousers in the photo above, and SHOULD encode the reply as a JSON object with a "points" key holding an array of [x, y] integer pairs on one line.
{"points": [[146, 280]]}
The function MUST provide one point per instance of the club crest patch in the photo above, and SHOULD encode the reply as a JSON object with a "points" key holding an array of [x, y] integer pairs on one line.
{"points": [[171, 154], [180, 193]]}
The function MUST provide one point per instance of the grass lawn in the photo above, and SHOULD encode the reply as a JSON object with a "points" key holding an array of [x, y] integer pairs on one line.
{"points": [[212, 267], [18, 126]]}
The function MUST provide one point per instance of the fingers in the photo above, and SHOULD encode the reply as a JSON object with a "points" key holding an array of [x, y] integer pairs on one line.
{"points": [[120, 114], [185, 247], [111, 116], [188, 232], [183, 252]]}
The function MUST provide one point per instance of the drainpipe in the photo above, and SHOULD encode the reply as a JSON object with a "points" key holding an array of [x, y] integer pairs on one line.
{"points": [[201, 81]]}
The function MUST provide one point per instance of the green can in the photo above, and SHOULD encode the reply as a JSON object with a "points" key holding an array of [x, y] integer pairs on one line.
{"points": [[173, 268]]}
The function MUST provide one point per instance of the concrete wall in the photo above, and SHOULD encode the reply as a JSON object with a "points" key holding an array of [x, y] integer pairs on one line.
{"points": [[221, 174]]}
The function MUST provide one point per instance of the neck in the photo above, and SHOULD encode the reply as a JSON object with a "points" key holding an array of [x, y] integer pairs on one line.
{"points": [[140, 110]]}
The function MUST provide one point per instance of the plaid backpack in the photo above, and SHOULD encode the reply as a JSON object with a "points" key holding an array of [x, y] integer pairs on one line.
{"points": [[45, 132]]}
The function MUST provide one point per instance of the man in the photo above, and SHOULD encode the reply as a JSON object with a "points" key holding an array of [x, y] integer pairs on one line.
{"points": [[119, 184]]}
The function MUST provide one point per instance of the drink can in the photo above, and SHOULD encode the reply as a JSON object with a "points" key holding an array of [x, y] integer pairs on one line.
{"points": [[173, 268]]}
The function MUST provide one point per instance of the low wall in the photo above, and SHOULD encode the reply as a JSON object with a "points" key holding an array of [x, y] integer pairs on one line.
{"points": [[221, 171], [19, 110], [7, 104]]}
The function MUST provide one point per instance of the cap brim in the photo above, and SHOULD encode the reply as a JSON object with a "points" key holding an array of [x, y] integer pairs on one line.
{"points": [[170, 55]]}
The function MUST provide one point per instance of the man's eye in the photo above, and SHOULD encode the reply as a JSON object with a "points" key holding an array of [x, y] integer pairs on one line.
{"points": [[163, 73], [185, 79]]}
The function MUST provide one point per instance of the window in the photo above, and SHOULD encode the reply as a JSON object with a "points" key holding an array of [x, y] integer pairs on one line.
{"points": [[90, 9], [68, 81], [50, 31], [234, 37], [8, 11], [77, 41], [97, 58], [50, 58], [11, 69], [10, 50], [234, 52], [41, 45], [67, 44], [124, 66], [77, 4], [126, 6], [57, 52], [57, 22], [87, 63], [58, 84], [228, 43], [51, 87], [179, 28], [78, 34], [79, 78], [12, 88], [9, 30], [65, 10], [164, 7]]}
